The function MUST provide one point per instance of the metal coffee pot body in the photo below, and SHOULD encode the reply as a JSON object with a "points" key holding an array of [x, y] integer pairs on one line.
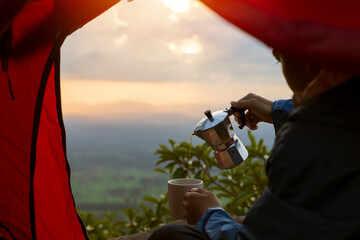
{"points": [[217, 130]]}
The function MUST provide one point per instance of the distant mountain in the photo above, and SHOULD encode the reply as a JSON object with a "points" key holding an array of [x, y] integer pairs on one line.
{"points": [[133, 143]]}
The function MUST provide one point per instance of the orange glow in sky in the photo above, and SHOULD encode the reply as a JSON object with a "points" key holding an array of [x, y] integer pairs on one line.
{"points": [[93, 97]]}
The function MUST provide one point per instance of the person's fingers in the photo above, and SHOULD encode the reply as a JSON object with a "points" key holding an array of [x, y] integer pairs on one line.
{"points": [[194, 191], [187, 195], [252, 120], [189, 213], [237, 118], [241, 104], [245, 102], [237, 114], [258, 106], [199, 190], [189, 218], [250, 96], [184, 203]]}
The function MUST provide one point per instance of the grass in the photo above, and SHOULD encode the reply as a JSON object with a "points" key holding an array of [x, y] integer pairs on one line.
{"points": [[100, 188]]}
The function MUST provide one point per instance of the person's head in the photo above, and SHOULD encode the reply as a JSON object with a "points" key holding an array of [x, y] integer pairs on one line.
{"points": [[297, 74], [306, 80]]}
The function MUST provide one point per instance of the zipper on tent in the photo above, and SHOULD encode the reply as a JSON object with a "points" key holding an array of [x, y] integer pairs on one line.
{"points": [[5, 49]]}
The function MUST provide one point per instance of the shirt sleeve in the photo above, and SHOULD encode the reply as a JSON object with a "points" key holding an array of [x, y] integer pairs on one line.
{"points": [[281, 109], [283, 105], [218, 224]]}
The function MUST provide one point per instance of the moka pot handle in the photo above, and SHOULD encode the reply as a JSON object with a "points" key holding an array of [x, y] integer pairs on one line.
{"points": [[242, 116]]}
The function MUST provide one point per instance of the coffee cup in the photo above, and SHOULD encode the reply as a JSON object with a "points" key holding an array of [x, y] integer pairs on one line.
{"points": [[176, 190]]}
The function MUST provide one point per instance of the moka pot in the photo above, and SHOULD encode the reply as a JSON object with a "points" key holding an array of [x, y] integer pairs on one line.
{"points": [[217, 130]]}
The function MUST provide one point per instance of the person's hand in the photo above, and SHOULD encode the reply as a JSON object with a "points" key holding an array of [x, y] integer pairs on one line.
{"points": [[197, 202], [258, 110]]}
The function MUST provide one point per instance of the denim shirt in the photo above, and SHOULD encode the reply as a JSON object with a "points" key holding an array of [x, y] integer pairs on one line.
{"points": [[283, 105]]}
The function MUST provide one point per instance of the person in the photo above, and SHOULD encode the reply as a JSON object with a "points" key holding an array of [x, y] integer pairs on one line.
{"points": [[313, 171]]}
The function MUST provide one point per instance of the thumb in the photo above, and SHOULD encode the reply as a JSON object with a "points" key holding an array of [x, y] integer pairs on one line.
{"points": [[198, 190]]}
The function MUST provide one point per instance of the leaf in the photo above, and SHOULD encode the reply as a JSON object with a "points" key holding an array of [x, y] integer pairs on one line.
{"points": [[263, 180], [244, 196], [166, 154], [145, 209], [110, 215], [225, 181], [163, 160], [179, 173], [258, 171], [252, 139], [164, 148], [264, 150], [260, 144], [172, 142], [170, 165], [160, 170], [151, 199], [130, 213], [223, 195], [182, 150]]}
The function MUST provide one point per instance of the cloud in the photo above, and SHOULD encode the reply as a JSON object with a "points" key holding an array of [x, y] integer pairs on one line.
{"points": [[186, 46], [177, 6], [119, 22], [121, 40], [173, 17], [137, 42]]}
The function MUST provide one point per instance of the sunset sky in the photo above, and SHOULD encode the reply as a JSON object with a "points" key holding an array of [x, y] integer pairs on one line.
{"points": [[164, 56]]}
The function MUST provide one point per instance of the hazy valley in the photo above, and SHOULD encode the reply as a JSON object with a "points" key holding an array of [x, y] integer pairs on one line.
{"points": [[113, 162]]}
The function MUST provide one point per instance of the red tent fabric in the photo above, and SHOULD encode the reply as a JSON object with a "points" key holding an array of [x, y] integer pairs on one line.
{"points": [[322, 32], [35, 195]]}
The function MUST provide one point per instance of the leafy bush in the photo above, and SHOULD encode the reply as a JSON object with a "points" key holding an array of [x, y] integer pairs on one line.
{"points": [[237, 188], [143, 219]]}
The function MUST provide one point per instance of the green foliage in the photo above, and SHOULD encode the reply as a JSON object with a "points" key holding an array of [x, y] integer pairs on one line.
{"points": [[237, 188], [143, 219], [103, 228]]}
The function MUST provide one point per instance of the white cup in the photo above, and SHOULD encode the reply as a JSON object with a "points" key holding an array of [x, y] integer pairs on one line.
{"points": [[177, 189]]}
